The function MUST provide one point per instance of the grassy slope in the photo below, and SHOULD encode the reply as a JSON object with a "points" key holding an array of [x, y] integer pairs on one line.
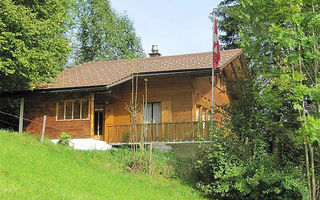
{"points": [[31, 170]]}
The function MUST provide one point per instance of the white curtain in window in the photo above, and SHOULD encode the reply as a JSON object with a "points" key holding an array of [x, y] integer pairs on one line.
{"points": [[147, 116], [152, 113], [209, 115], [204, 114], [156, 108], [204, 118], [197, 113]]}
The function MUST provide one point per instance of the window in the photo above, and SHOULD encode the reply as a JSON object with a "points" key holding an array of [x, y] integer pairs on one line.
{"points": [[72, 109], [209, 115], [197, 113], [152, 114], [68, 109], [204, 111], [76, 109], [85, 109]]}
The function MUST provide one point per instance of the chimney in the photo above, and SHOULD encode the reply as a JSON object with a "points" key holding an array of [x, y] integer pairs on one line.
{"points": [[154, 51]]}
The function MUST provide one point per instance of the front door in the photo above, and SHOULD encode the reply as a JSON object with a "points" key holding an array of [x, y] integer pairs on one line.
{"points": [[98, 124]]}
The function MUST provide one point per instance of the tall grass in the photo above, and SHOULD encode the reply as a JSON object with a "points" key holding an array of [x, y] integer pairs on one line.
{"points": [[31, 170]]}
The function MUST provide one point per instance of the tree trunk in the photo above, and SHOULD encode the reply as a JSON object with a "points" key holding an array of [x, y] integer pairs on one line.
{"points": [[307, 167], [312, 172]]}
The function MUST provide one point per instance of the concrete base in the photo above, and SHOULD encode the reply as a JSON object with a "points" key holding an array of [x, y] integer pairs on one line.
{"points": [[185, 150], [161, 147]]}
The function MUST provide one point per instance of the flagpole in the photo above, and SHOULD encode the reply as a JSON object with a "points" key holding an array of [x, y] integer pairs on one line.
{"points": [[212, 73], [212, 90]]}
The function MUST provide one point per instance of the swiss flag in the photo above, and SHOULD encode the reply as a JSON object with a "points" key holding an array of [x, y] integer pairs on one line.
{"points": [[216, 47]]}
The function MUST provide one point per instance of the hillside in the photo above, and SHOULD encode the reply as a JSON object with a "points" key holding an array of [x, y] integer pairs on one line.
{"points": [[31, 170]]}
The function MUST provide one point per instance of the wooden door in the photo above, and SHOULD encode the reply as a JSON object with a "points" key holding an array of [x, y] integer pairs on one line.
{"points": [[98, 124]]}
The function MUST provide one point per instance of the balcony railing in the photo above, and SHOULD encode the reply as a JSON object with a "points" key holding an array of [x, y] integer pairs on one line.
{"points": [[159, 132]]}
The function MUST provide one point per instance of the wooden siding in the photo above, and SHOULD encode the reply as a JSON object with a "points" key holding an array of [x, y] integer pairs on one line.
{"points": [[173, 92], [201, 95], [39, 105]]}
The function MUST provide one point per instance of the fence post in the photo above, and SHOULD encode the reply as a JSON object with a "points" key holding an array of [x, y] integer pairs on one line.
{"points": [[21, 115], [43, 128]]}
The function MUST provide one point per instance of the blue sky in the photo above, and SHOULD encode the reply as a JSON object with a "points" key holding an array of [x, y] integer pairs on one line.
{"points": [[176, 26]]}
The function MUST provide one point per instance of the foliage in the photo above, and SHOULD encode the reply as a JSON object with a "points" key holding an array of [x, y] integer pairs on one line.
{"points": [[281, 41], [64, 139], [138, 160], [230, 168], [311, 128], [77, 174], [126, 137], [104, 34], [277, 39], [9, 105], [33, 47], [164, 164], [228, 25]]}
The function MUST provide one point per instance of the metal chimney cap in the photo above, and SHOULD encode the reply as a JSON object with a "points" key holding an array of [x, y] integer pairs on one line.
{"points": [[154, 51], [154, 48]]}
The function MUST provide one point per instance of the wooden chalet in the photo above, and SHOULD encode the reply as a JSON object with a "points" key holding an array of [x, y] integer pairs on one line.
{"points": [[89, 100]]}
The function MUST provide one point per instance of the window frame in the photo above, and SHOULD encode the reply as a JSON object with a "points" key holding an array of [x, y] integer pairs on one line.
{"points": [[64, 109]]}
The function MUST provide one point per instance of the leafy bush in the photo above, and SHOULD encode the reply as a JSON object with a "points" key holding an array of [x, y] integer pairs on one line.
{"points": [[126, 137], [229, 168], [64, 139], [163, 164]]}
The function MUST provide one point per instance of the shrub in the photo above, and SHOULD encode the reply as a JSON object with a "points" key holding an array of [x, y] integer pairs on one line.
{"points": [[229, 168], [126, 137], [163, 164], [64, 139]]}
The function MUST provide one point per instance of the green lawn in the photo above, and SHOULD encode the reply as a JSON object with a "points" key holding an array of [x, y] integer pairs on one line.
{"points": [[31, 170]]}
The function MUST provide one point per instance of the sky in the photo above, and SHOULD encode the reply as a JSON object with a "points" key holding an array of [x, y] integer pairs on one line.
{"points": [[176, 26]]}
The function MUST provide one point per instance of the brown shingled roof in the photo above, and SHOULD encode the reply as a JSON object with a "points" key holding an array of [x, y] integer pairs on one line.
{"points": [[109, 72]]}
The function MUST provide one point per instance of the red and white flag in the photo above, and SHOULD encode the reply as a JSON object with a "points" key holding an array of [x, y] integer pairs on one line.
{"points": [[216, 47]]}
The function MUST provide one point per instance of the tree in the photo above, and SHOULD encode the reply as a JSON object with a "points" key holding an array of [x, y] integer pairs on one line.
{"points": [[281, 39], [276, 114], [228, 26], [33, 47], [104, 34]]}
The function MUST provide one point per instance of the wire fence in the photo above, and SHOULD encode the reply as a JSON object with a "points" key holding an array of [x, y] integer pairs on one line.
{"points": [[9, 123], [28, 120]]}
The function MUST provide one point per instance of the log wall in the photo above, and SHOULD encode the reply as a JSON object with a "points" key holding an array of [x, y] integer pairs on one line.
{"points": [[173, 92], [37, 106]]}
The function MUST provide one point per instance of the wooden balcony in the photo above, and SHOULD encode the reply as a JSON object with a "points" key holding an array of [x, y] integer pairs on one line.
{"points": [[161, 132]]}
